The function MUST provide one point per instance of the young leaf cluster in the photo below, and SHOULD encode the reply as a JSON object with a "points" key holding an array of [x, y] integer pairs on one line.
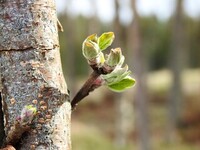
{"points": [[116, 77]]}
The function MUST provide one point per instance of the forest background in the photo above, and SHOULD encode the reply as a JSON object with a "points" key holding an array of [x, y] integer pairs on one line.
{"points": [[161, 42]]}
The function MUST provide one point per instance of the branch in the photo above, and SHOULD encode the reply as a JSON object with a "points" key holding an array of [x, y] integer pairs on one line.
{"points": [[106, 70], [88, 86]]}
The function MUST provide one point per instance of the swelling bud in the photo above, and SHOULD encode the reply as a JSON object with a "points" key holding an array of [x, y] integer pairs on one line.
{"points": [[27, 114], [113, 59], [90, 50]]}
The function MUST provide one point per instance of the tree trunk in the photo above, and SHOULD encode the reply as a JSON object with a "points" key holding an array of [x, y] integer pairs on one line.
{"points": [[177, 59], [139, 67], [122, 102], [31, 73]]}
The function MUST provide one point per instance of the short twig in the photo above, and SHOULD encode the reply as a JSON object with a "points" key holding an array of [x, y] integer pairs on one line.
{"points": [[86, 89]]}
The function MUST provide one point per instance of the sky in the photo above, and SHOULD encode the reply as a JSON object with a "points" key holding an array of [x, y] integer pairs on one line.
{"points": [[105, 8]]}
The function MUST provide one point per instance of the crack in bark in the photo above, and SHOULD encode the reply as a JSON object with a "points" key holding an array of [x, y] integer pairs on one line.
{"points": [[30, 48], [2, 133]]}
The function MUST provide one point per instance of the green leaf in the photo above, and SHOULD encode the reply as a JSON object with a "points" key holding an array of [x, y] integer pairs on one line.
{"points": [[117, 75], [92, 38], [31, 108], [122, 85], [105, 40]]}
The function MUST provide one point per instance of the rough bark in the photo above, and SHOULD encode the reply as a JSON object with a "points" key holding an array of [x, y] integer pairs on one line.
{"points": [[139, 66], [31, 73], [1, 120]]}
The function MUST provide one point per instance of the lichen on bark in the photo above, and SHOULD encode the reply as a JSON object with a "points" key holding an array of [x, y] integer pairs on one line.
{"points": [[28, 23], [31, 73]]}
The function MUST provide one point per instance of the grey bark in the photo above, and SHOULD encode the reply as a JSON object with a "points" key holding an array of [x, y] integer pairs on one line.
{"points": [[1, 119], [139, 67], [31, 73]]}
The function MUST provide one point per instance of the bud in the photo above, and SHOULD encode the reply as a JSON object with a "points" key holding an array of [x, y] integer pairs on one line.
{"points": [[113, 59], [119, 65], [105, 40], [97, 60], [27, 114], [90, 49], [116, 75]]}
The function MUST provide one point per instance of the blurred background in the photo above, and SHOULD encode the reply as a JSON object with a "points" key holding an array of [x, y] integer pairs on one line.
{"points": [[161, 42]]}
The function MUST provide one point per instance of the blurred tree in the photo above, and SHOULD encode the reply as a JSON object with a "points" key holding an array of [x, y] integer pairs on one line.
{"points": [[177, 62], [94, 25], [122, 102], [139, 65], [193, 37], [31, 74], [76, 30], [156, 40]]}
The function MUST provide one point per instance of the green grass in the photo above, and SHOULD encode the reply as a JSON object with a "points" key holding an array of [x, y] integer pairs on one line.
{"points": [[175, 146], [91, 141], [160, 81], [96, 141], [91, 138]]}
